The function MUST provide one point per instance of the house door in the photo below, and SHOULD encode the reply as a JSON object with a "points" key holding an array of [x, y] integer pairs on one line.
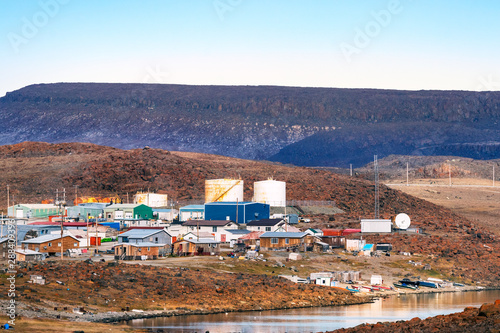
{"points": [[223, 238]]}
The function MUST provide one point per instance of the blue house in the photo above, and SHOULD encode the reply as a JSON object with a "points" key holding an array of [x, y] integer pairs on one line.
{"points": [[246, 211]]}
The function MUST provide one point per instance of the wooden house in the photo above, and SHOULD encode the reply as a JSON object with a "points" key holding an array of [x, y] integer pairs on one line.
{"points": [[282, 240], [140, 251], [51, 244], [29, 255], [199, 247]]}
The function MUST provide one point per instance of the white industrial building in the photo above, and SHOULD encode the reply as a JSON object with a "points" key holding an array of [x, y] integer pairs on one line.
{"points": [[153, 200], [227, 190], [271, 192], [376, 225]]}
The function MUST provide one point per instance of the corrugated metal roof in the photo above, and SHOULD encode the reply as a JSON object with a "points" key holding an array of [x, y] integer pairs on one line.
{"points": [[283, 235], [252, 235], [238, 231], [142, 244], [201, 241], [264, 223], [47, 238], [193, 207], [38, 206], [3, 239], [27, 251], [140, 233], [207, 223], [123, 206]]}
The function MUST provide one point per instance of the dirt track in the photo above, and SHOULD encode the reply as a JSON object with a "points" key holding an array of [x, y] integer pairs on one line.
{"points": [[478, 204]]}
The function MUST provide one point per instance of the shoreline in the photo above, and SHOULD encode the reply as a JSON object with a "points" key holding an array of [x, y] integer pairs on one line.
{"points": [[126, 316]]}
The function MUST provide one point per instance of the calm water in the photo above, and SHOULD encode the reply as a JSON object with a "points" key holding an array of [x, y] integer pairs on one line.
{"points": [[323, 319]]}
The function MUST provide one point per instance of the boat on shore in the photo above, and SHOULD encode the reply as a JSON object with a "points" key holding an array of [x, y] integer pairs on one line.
{"points": [[352, 290], [427, 284], [401, 285]]}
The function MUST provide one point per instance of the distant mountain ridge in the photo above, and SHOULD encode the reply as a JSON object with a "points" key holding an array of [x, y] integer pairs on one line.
{"points": [[255, 122]]}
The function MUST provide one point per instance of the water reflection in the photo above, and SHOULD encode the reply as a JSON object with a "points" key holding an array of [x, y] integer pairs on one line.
{"points": [[323, 319]]}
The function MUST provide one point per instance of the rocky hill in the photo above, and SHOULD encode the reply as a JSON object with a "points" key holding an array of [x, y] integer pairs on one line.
{"points": [[34, 170], [258, 122]]}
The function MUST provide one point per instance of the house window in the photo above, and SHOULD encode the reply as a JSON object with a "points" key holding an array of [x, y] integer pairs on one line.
{"points": [[149, 248], [75, 244], [214, 229], [287, 240], [156, 239], [268, 228], [50, 244], [58, 244], [258, 228], [274, 240]]}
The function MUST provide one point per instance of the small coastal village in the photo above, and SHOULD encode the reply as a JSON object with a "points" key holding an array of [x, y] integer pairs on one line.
{"points": [[268, 235]]}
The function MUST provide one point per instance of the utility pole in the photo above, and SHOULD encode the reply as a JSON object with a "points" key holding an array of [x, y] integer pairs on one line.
{"points": [[449, 172], [8, 202], [375, 165], [62, 205], [350, 168], [76, 194], [407, 183]]}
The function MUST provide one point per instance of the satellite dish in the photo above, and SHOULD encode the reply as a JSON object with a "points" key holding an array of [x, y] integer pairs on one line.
{"points": [[402, 221]]}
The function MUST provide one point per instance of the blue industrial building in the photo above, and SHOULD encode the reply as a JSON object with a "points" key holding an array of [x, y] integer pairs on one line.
{"points": [[247, 211]]}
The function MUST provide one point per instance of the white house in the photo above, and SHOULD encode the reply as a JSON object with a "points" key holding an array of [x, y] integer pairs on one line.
{"points": [[218, 228], [266, 225]]}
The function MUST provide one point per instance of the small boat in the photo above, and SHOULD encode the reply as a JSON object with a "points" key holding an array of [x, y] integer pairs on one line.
{"points": [[375, 288], [369, 288], [409, 282], [456, 284], [352, 290], [427, 284], [401, 285], [385, 288]]}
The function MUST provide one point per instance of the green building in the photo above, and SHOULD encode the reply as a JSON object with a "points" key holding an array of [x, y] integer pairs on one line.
{"points": [[33, 210], [128, 211]]}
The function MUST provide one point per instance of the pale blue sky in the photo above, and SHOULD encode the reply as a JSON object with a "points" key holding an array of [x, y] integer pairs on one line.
{"points": [[405, 44]]}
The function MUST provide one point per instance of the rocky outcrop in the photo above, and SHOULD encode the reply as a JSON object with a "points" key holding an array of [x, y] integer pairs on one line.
{"points": [[485, 319]]}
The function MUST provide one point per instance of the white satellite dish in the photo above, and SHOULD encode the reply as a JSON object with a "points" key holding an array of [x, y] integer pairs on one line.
{"points": [[402, 221]]}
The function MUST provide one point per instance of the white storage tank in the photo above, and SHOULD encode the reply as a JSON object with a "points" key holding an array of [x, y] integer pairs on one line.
{"points": [[271, 192], [153, 200], [223, 190]]}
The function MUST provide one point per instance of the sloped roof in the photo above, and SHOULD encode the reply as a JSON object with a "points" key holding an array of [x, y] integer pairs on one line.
{"points": [[4, 239], [141, 233], [142, 244], [206, 223], [27, 251], [200, 241], [252, 235], [264, 223], [238, 231], [284, 235], [47, 238]]}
